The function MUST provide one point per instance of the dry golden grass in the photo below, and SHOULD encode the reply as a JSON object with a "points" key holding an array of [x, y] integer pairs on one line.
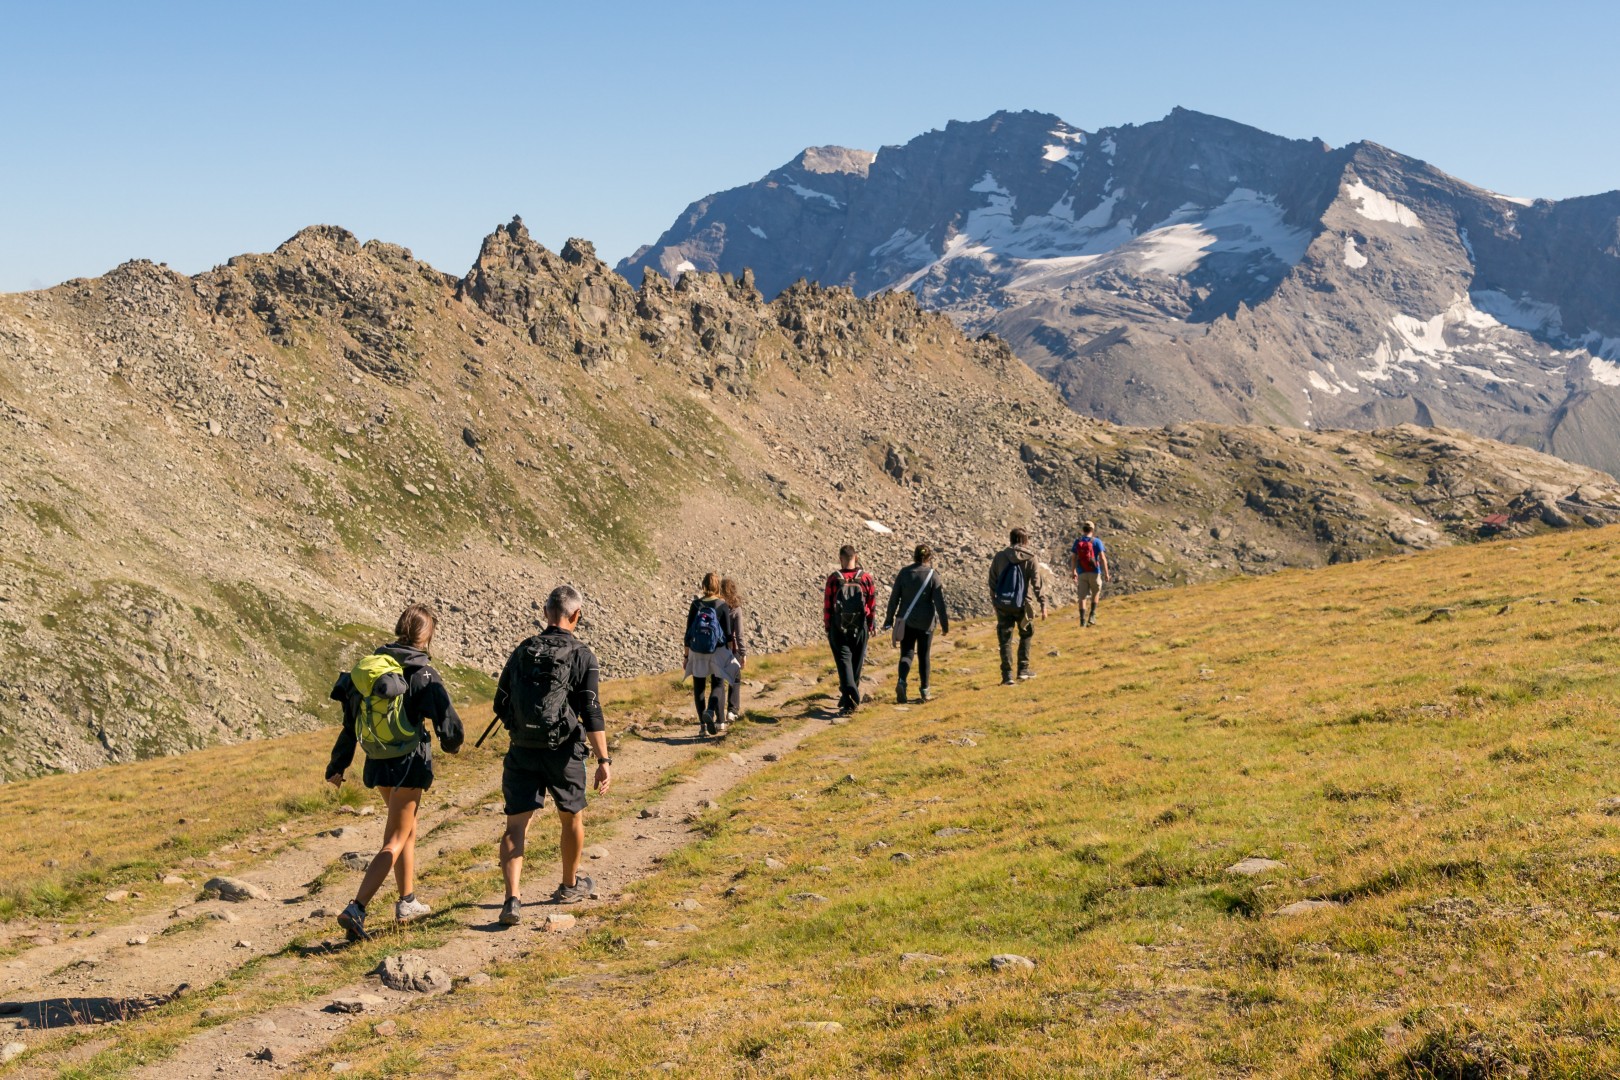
{"points": [[1439, 778]]}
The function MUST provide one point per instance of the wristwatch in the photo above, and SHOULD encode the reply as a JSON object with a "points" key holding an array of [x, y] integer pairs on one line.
{"points": [[604, 761]]}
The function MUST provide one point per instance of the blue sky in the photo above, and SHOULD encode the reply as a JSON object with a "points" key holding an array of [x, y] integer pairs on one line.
{"points": [[190, 132]]}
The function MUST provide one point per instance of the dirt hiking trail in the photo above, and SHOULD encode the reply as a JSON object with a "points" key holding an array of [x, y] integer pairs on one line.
{"points": [[78, 985]]}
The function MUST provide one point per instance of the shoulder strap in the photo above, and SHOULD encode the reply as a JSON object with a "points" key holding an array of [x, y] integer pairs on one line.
{"points": [[927, 581]]}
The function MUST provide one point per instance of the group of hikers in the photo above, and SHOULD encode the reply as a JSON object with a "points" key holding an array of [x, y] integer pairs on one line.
{"points": [[547, 698]]}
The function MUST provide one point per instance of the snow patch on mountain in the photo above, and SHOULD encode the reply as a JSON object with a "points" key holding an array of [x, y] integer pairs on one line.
{"points": [[1376, 206], [757, 231], [1354, 259], [810, 193], [1463, 338], [1056, 248]]}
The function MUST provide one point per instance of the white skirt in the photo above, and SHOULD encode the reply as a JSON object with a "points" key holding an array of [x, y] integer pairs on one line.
{"points": [[720, 663]]}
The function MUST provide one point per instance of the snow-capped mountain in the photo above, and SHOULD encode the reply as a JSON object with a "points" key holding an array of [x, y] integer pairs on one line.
{"points": [[1196, 268]]}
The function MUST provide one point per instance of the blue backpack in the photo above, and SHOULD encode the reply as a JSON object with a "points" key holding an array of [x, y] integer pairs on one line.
{"points": [[705, 634], [1008, 594]]}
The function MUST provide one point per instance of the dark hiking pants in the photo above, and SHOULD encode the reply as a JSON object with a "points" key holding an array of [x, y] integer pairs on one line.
{"points": [[920, 643], [1005, 621], [707, 691], [849, 653]]}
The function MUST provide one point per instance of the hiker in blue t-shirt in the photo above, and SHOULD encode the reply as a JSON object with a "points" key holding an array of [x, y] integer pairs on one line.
{"points": [[1089, 564]]}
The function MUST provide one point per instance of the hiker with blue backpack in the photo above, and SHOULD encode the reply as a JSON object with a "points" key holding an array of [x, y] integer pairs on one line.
{"points": [[849, 604], [1015, 593], [393, 700], [711, 655], [548, 698], [918, 596]]}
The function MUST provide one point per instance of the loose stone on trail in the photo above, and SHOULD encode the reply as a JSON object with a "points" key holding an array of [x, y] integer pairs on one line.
{"points": [[556, 923], [234, 889], [413, 972]]}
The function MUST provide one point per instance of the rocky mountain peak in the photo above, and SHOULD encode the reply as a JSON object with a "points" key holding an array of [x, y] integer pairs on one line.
{"points": [[835, 159]]}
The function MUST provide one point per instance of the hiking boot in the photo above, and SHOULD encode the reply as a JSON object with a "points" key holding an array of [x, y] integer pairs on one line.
{"points": [[511, 911], [573, 894], [1025, 675], [900, 692], [406, 910], [925, 695], [353, 921], [1007, 680]]}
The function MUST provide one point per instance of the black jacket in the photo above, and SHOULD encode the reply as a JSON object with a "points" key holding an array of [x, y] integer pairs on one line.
{"points": [[931, 605], [426, 702]]}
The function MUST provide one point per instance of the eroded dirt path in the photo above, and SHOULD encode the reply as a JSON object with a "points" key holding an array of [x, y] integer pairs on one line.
{"points": [[92, 979]]}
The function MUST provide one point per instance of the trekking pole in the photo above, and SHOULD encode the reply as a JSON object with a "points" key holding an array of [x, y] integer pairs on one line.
{"points": [[485, 735]]}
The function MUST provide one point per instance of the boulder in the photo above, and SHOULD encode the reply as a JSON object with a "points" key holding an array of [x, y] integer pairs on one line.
{"points": [[1011, 962]]}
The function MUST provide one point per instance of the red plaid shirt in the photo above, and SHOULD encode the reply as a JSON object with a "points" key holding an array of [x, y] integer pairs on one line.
{"points": [[835, 581]]}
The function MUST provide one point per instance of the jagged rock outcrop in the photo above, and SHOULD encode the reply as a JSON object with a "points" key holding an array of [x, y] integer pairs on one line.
{"points": [[220, 489]]}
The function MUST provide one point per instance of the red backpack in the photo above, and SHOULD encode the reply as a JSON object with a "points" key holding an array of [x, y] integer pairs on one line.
{"points": [[1085, 555]]}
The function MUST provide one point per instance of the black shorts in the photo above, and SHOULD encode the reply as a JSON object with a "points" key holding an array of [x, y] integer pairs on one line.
{"points": [[414, 770], [529, 773]]}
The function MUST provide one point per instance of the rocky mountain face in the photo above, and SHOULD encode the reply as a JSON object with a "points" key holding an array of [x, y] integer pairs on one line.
{"points": [[1194, 268], [221, 489]]}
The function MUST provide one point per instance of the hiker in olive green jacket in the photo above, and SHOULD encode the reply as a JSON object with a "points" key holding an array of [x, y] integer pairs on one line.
{"points": [[1015, 592]]}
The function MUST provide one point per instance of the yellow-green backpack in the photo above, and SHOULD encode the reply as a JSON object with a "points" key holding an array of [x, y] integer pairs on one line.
{"points": [[380, 723]]}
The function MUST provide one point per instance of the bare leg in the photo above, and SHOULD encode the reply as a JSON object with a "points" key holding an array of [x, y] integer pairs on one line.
{"points": [[513, 841], [571, 844], [405, 865], [399, 832]]}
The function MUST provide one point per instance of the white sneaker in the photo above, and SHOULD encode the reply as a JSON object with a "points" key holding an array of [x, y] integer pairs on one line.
{"points": [[406, 910]]}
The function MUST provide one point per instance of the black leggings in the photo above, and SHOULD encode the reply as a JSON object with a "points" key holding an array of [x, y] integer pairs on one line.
{"points": [[918, 641], [714, 690]]}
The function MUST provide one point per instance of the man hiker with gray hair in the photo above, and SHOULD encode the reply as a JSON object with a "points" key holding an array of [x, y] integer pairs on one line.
{"points": [[547, 698], [1015, 590]]}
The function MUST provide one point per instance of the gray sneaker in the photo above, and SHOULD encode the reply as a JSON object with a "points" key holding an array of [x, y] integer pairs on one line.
{"points": [[406, 910], [353, 921], [511, 911], [581, 889], [1026, 674]]}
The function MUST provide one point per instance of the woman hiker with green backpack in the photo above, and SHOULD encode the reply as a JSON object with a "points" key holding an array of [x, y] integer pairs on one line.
{"points": [[389, 699]]}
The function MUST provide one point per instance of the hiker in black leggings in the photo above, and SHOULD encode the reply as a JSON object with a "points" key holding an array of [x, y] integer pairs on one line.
{"points": [[919, 597], [732, 595], [709, 658]]}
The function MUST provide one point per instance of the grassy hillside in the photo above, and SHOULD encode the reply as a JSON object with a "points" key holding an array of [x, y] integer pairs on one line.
{"points": [[1424, 743]]}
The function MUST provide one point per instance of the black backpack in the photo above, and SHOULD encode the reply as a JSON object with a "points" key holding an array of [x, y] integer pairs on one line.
{"points": [[541, 716], [850, 605]]}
